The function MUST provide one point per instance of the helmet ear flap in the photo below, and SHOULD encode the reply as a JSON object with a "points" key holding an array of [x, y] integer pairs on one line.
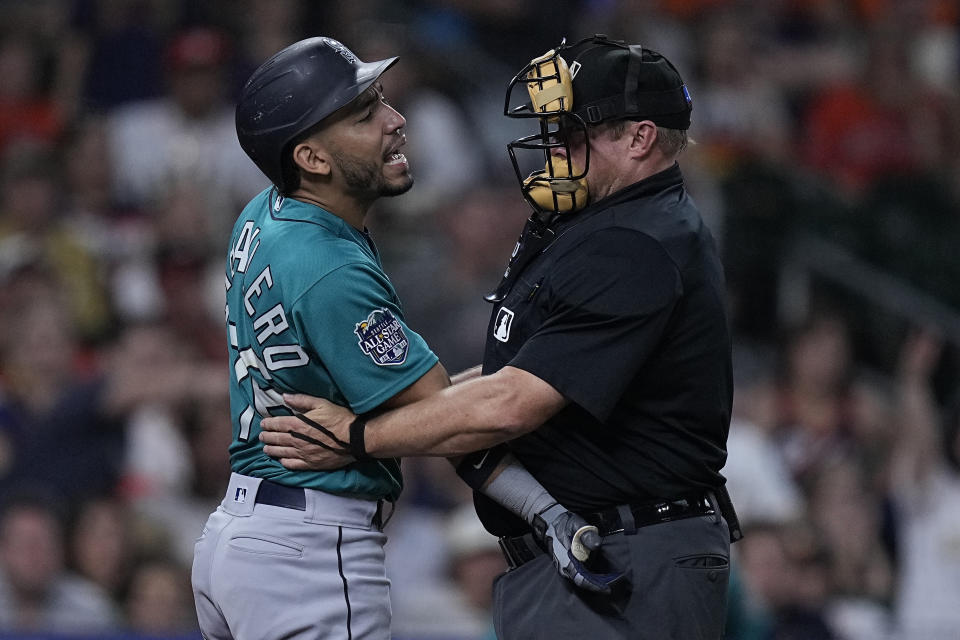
{"points": [[550, 84]]}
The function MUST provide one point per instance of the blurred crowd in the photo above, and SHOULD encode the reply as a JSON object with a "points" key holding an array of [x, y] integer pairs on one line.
{"points": [[120, 177]]}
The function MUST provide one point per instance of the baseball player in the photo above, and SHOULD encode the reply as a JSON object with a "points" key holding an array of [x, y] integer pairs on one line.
{"points": [[607, 367], [298, 553]]}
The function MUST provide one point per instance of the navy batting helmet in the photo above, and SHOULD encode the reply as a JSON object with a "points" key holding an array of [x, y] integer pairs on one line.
{"points": [[294, 90]]}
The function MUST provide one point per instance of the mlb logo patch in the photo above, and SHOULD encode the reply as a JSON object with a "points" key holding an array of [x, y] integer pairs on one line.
{"points": [[501, 328], [382, 338]]}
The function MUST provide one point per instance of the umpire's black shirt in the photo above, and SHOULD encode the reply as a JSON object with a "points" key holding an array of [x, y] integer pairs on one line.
{"points": [[623, 313]]}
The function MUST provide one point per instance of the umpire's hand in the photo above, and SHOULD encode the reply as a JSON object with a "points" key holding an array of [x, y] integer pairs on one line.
{"points": [[314, 438], [570, 540]]}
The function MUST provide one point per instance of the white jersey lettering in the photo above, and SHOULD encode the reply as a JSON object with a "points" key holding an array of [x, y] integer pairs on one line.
{"points": [[284, 356], [248, 358], [275, 321], [254, 289], [266, 399], [245, 419], [242, 252]]}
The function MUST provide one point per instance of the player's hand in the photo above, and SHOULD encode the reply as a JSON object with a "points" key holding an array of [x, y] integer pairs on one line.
{"points": [[570, 540], [314, 438]]}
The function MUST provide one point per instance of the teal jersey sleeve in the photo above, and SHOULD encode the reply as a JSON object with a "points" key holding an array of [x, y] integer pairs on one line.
{"points": [[352, 320]]}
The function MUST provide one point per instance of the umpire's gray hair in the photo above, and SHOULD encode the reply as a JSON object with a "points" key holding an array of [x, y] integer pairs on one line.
{"points": [[672, 141]]}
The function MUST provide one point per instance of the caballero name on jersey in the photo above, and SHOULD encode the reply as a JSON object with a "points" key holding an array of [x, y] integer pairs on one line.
{"points": [[382, 338]]}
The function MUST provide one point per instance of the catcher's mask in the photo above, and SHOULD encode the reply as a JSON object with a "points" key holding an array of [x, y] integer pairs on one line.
{"points": [[560, 186], [606, 80]]}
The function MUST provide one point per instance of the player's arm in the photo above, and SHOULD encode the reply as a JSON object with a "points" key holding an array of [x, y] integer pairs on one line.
{"points": [[467, 374], [433, 381]]}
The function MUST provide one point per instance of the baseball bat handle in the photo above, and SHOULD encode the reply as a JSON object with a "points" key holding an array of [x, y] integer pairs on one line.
{"points": [[585, 540]]}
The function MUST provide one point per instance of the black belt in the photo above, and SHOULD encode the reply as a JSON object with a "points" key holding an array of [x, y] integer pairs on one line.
{"points": [[632, 516], [280, 495], [521, 549]]}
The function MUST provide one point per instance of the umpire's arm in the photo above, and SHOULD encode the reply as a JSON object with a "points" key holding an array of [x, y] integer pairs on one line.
{"points": [[470, 416], [427, 419]]}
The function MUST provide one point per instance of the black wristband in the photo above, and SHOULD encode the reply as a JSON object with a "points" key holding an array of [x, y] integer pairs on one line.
{"points": [[475, 468], [357, 447]]}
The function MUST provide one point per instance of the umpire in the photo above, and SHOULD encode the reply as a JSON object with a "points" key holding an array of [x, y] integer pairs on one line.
{"points": [[621, 309], [607, 369]]}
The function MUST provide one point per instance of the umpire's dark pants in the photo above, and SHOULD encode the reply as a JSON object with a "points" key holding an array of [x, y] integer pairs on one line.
{"points": [[676, 589]]}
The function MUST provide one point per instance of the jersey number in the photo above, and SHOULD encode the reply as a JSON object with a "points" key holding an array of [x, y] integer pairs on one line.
{"points": [[272, 322], [274, 358]]}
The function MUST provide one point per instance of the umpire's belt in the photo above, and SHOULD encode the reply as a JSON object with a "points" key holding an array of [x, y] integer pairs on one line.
{"points": [[629, 517], [518, 550], [521, 549]]}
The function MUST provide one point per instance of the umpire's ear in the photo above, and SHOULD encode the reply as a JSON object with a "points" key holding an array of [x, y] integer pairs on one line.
{"points": [[310, 156], [641, 137]]}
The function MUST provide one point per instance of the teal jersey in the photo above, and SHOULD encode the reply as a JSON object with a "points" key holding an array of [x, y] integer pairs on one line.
{"points": [[310, 310]]}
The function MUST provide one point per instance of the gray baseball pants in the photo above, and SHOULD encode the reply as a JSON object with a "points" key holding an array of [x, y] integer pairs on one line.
{"points": [[264, 572]]}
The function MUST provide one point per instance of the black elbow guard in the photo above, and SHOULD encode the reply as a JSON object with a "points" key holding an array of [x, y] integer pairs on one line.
{"points": [[476, 467]]}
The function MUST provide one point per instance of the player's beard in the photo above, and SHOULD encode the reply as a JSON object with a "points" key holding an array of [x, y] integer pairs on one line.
{"points": [[366, 180]]}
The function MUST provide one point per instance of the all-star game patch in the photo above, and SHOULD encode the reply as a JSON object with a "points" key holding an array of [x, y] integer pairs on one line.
{"points": [[382, 338]]}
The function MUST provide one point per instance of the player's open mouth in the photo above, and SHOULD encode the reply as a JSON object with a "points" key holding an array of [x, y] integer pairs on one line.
{"points": [[396, 158]]}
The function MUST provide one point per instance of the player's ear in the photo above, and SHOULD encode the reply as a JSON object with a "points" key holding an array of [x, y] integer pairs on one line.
{"points": [[311, 157]]}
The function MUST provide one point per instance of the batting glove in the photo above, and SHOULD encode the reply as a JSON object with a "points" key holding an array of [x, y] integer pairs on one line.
{"points": [[570, 540]]}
